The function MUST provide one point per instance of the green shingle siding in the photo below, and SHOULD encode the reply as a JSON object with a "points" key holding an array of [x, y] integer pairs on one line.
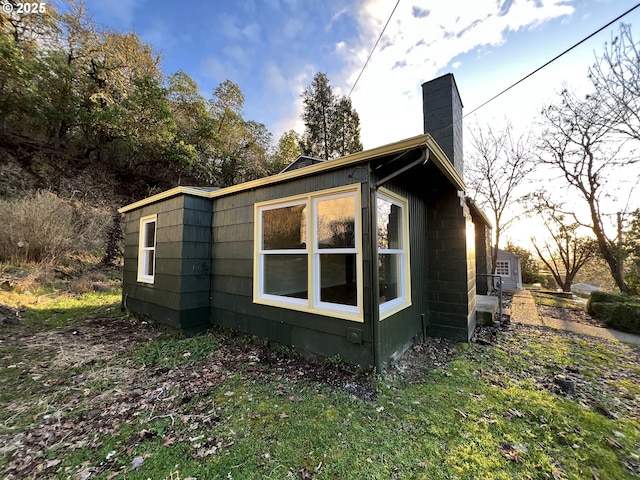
{"points": [[179, 294], [205, 266]]}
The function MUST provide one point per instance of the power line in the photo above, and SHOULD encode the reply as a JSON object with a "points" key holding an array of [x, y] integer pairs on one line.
{"points": [[373, 49], [552, 60]]}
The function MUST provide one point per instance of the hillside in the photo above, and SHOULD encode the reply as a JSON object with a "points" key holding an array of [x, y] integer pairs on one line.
{"points": [[27, 166]]}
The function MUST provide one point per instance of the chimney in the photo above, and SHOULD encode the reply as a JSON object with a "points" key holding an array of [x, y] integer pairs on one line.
{"points": [[442, 111]]}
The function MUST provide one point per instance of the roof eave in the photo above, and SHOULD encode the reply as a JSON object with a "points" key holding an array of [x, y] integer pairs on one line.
{"points": [[436, 155], [163, 196]]}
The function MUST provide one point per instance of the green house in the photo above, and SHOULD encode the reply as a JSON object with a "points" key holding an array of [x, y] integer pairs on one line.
{"points": [[359, 256]]}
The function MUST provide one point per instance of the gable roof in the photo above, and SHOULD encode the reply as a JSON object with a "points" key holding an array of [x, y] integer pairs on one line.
{"points": [[435, 155], [302, 161]]}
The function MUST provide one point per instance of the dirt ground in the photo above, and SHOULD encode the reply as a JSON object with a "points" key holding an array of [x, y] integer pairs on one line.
{"points": [[177, 393]]}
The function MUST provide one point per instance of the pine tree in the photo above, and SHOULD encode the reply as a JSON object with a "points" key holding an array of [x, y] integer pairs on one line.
{"points": [[332, 126]]}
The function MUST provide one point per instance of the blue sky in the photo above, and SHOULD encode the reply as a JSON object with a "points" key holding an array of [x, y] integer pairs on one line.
{"points": [[272, 49]]}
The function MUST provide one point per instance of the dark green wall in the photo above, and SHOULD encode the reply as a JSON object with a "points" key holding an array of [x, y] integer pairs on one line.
{"points": [[401, 330], [442, 263], [204, 267], [451, 272], [483, 256], [232, 275], [179, 295]]}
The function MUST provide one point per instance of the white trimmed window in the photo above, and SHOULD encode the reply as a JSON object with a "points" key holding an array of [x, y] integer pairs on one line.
{"points": [[308, 253], [503, 268], [393, 253], [147, 249]]}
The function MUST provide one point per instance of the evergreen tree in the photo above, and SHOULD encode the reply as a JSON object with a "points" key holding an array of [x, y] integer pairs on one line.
{"points": [[332, 126]]}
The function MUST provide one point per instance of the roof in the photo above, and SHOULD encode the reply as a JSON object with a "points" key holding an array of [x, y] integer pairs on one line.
{"points": [[302, 161], [436, 155], [507, 254], [477, 212]]}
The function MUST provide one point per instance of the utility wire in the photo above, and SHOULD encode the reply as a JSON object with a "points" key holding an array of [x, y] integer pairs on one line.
{"points": [[551, 61], [373, 49]]}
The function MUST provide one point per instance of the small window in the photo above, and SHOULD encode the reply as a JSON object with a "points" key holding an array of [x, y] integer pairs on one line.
{"points": [[502, 268], [393, 253], [147, 250]]}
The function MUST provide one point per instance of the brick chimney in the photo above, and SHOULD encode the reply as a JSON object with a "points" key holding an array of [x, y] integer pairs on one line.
{"points": [[442, 112]]}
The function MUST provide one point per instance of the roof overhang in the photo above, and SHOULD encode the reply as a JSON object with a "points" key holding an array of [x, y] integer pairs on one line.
{"points": [[477, 212], [436, 155]]}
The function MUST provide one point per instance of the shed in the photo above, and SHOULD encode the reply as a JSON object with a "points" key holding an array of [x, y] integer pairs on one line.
{"points": [[509, 268], [358, 256]]}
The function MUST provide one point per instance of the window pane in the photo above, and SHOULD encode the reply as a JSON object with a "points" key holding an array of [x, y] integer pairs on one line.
{"points": [[338, 279], [286, 275], [389, 227], [337, 222], [502, 268], [147, 265], [149, 234], [284, 228], [390, 277]]}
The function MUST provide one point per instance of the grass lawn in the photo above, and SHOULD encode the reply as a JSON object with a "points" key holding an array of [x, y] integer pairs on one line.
{"points": [[87, 392]]}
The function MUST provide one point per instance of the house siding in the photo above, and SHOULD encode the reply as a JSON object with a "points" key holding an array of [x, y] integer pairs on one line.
{"points": [[232, 252], [401, 330], [179, 294], [451, 260]]}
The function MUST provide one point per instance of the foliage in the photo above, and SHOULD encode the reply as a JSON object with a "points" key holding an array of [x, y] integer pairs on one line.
{"points": [[528, 264], [287, 150], [617, 311], [631, 242], [498, 166], [332, 126], [566, 252], [101, 95], [616, 80], [29, 234], [114, 247]]}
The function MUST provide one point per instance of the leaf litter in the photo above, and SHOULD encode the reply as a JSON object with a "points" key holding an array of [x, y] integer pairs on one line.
{"points": [[90, 388], [86, 393]]}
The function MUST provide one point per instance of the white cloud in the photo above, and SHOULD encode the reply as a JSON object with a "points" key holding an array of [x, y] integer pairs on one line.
{"points": [[252, 32], [388, 96]]}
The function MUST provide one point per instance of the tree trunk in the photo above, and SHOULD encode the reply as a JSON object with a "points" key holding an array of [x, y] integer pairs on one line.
{"points": [[613, 259]]}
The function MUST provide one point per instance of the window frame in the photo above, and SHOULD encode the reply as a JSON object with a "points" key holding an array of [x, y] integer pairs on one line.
{"points": [[403, 300], [143, 251], [313, 304], [508, 264], [282, 251]]}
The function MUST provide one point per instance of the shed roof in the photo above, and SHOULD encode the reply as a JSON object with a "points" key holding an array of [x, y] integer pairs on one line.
{"points": [[436, 155]]}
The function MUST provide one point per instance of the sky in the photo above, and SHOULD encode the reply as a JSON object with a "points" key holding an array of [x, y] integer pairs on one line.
{"points": [[273, 48]]}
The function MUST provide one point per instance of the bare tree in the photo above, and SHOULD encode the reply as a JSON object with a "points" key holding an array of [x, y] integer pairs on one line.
{"points": [[565, 253], [616, 80], [498, 166], [587, 152]]}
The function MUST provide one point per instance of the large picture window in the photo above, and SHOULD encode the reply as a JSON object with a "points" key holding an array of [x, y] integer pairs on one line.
{"points": [[147, 249], [308, 253], [393, 253]]}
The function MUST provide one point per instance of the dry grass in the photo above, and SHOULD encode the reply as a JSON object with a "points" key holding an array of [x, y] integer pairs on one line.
{"points": [[46, 228]]}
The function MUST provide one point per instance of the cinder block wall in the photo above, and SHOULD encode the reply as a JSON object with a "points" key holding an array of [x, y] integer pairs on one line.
{"points": [[451, 270], [483, 257], [442, 113]]}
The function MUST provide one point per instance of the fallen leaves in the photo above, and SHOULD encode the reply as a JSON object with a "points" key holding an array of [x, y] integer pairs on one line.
{"points": [[513, 451]]}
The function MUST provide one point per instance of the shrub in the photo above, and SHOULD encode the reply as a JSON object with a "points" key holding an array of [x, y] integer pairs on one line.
{"points": [[617, 311], [45, 228]]}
